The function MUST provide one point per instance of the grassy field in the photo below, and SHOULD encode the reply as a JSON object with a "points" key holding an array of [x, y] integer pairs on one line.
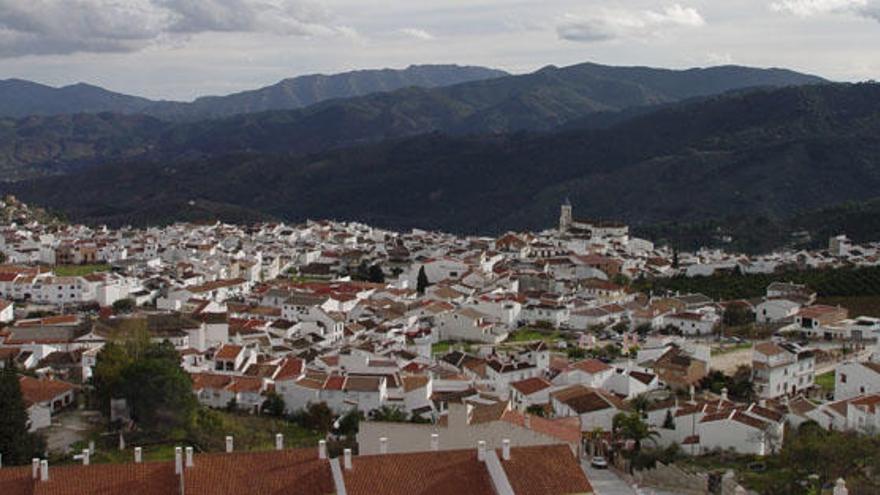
{"points": [[826, 381], [527, 334], [249, 433], [717, 351], [79, 270]]}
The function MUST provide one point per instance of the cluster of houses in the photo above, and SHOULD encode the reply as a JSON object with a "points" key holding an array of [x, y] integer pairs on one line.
{"points": [[340, 314]]}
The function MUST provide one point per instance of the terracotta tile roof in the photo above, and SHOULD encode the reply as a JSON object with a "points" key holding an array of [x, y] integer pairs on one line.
{"points": [[228, 351], [591, 366], [35, 390], [295, 471], [150, 478], [290, 369], [531, 385], [545, 470], [16, 481], [565, 429], [449, 472], [414, 382]]}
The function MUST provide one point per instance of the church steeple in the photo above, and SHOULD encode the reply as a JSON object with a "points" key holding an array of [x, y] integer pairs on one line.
{"points": [[565, 216]]}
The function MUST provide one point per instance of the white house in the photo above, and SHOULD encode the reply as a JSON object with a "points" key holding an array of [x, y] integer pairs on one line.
{"points": [[852, 379], [782, 369], [6, 311], [773, 310]]}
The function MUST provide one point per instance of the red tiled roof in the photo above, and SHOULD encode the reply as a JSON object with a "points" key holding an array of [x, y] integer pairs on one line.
{"points": [[449, 472], [591, 366], [531, 385], [35, 390], [260, 473], [545, 470]]}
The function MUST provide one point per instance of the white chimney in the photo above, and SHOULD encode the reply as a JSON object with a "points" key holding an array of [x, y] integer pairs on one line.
{"points": [[91, 447], [178, 460], [138, 455], [481, 450], [322, 449], [85, 457], [44, 470], [724, 393], [279, 441], [505, 449], [435, 441], [35, 467], [527, 421], [189, 457], [229, 444], [383, 445], [346, 456]]}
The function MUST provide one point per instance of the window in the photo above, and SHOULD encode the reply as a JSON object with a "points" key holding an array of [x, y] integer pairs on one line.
{"points": [[842, 378]]}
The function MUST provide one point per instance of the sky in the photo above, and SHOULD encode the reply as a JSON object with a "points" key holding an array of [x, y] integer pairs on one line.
{"points": [[181, 49]]}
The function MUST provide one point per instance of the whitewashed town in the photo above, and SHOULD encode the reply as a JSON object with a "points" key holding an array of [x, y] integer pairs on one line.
{"points": [[502, 348]]}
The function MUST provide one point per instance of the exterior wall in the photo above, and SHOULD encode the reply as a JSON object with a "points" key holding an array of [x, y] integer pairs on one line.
{"points": [[408, 437], [853, 379]]}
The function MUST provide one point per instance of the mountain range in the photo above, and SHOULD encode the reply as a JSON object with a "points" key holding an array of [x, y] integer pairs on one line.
{"points": [[684, 156], [580, 95], [766, 152], [20, 98]]}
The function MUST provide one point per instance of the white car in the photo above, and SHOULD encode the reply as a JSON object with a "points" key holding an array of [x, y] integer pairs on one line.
{"points": [[599, 462]]}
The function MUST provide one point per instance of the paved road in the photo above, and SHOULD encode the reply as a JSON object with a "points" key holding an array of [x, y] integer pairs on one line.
{"points": [[606, 482]]}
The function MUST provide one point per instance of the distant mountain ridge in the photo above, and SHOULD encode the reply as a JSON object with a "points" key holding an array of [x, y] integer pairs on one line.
{"points": [[541, 101], [771, 152], [303, 91], [19, 98]]}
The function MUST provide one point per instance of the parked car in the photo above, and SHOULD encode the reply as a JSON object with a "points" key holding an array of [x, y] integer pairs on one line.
{"points": [[599, 462]]}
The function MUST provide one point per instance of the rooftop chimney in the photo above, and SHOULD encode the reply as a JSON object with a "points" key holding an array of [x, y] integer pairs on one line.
{"points": [[481, 451], [435, 441], [527, 421], [44, 470], [505, 449], [229, 444], [138, 455], [189, 457], [322, 449], [35, 467], [724, 393], [346, 456], [383, 445], [85, 457], [279, 441], [178, 460]]}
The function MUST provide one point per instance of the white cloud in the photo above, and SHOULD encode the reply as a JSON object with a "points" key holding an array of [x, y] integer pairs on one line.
{"points": [[808, 8], [417, 33], [41, 27], [610, 24]]}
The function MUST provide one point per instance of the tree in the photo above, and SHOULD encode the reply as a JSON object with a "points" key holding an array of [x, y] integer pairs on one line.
{"points": [[536, 410], [17, 445], [422, 281], [273, 405], [148, 376], [389, 414], [124, 306], [641, 403], [736, 315], [376, 275], [669, 421], [632, 427]]}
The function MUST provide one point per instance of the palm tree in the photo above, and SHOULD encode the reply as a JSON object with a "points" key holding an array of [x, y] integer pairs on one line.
{"points": [[630, 426]]}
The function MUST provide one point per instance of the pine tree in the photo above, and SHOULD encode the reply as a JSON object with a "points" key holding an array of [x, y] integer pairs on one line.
{"points": [[421, 281], [16, 444]]}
